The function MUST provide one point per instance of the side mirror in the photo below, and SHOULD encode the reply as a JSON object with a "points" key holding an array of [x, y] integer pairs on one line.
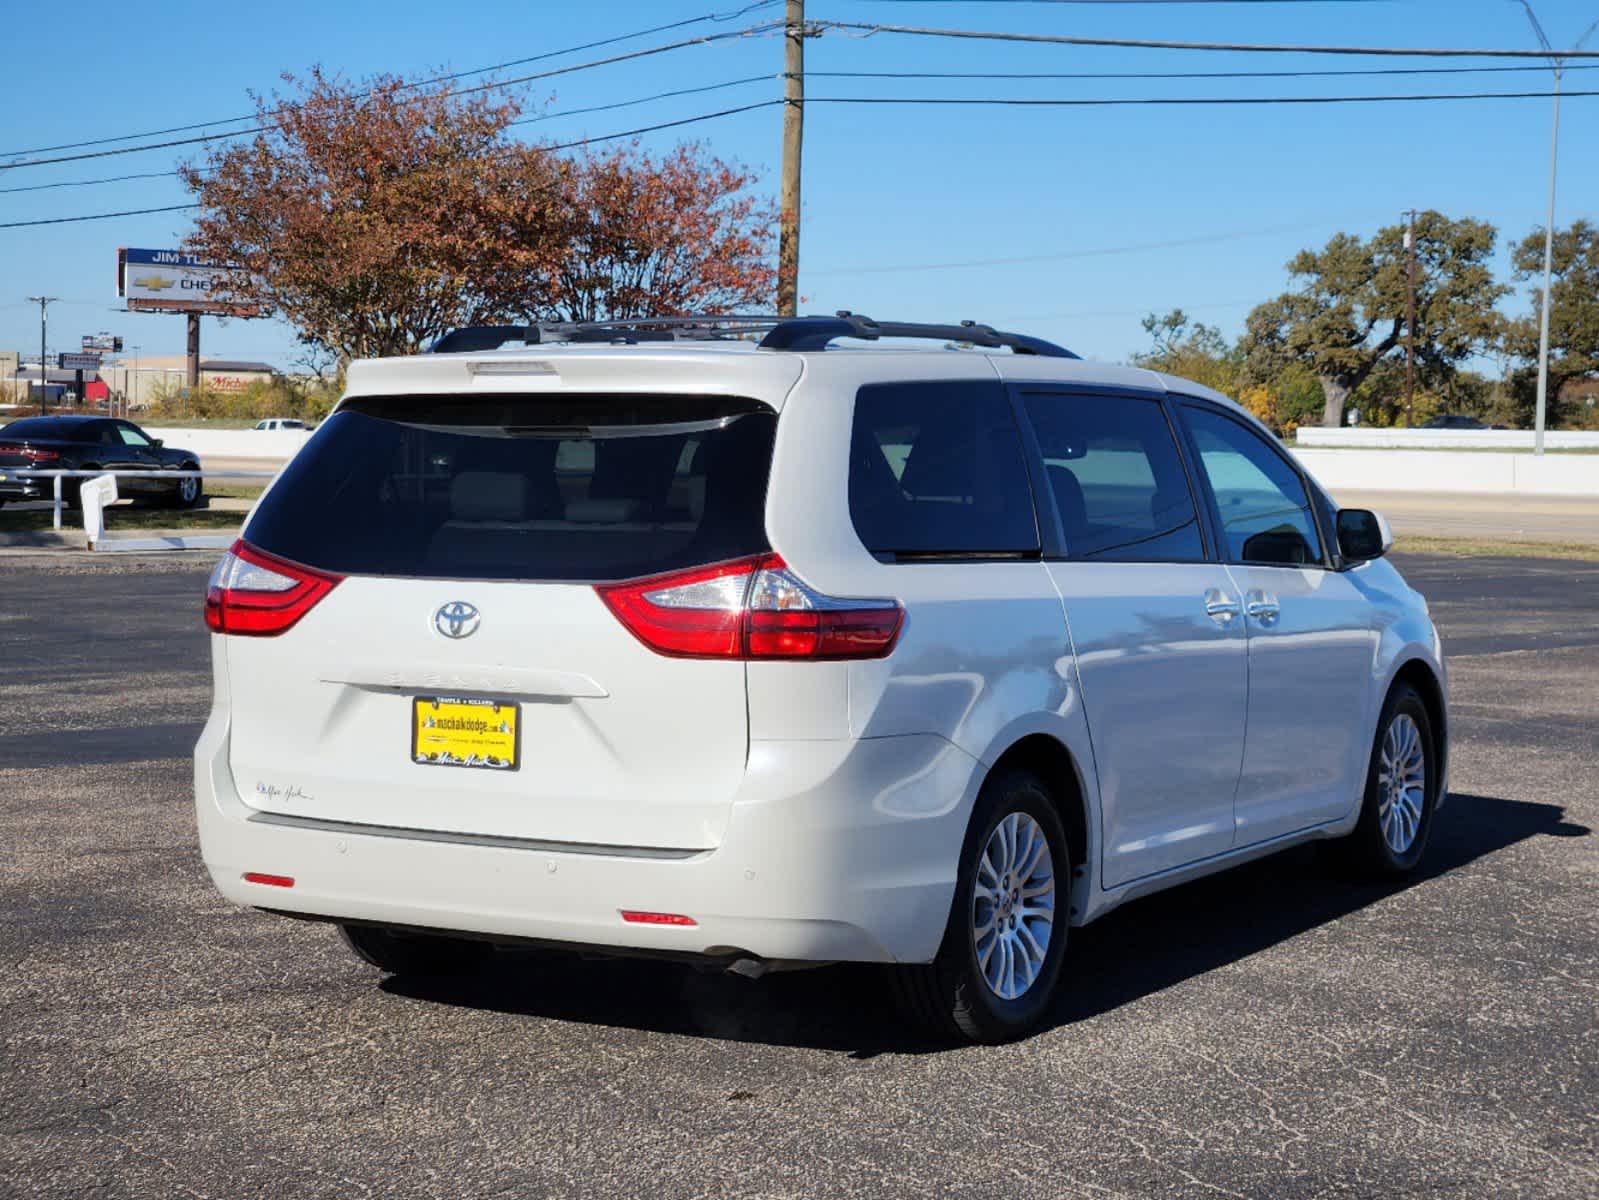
{"points": [[1363, 534], [157, 443]]}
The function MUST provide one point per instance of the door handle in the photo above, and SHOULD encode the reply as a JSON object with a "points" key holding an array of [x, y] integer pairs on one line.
{"points": [[1263, 607], [1219, 607]]}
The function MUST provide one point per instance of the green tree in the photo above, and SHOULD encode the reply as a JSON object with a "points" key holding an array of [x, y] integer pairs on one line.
{"points": [[1573, 316], [1190, 349], [1348, 313]]}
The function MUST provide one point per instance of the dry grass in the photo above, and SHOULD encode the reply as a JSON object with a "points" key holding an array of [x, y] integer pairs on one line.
{"points": [[120, 518], [1480, 548]]}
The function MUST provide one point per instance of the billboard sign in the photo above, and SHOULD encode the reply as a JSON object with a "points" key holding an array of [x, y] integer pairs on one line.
{"points": [[101, 342], [228, 383], [78, 362], [174, 281]]}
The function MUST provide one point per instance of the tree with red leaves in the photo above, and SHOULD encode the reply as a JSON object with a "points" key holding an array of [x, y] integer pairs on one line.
{"points": [[644, 238], [375, 219]]}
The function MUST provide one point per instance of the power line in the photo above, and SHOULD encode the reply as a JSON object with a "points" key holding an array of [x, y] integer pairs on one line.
{"points": [[691, 91], [1061, 256], [1059, 39], [515, 62], [1134, 2], [1114, 102], [726, 112], [608, 137], [704, 39], [867, 29], [131, 212], [44, 187], [939, 101], [1327, 74], [1097, 313], [976, 75], [548, 116]]}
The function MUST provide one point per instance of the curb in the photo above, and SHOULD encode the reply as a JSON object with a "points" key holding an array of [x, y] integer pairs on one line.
{"points": [[34, 541], [158, 540], [44, 539]]}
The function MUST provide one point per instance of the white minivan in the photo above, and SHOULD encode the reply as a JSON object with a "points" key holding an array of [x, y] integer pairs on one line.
{"points": [[838, 645]]}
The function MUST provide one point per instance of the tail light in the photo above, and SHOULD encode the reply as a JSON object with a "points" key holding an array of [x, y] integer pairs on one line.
{"points": [[751, 608], [31, 453], [257, 594]]}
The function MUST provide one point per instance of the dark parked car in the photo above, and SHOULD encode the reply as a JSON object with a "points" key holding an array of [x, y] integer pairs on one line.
{"points": [[1455, 421], [92, 443]]}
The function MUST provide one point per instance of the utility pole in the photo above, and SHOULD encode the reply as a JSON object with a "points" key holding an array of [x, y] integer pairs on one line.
{"points": [[1540, 412], [1557, 63], [788, 217], [1410, 318], [194, 351], [43, 302]]}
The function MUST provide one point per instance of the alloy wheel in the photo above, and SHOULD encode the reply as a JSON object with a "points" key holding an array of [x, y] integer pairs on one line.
{"points": [[1013, 906], [1401, 783]]}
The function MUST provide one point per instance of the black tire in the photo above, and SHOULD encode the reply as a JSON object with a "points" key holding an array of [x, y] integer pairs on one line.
{"points": [[191, 499], [416, 954], [1366, 852], [949, 997]]}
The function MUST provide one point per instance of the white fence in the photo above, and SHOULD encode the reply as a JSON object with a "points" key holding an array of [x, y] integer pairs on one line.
{"points": [[1363, 437], [99, 490], [276, 445], [1450, 471]]}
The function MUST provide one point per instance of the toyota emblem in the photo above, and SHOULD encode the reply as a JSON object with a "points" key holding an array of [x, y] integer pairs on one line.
{"points": [[457, 619]]}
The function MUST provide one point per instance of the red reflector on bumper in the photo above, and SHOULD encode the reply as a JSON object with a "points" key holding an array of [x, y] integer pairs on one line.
{"points": [[268, 880], [654, 918]]}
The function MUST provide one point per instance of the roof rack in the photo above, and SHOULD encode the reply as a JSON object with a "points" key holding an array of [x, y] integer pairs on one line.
{"points": [[620, 332], [814, 333], [778, 333]]}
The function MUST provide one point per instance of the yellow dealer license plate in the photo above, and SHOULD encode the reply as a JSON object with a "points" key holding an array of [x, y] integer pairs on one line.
{"points": [[447, 731]]}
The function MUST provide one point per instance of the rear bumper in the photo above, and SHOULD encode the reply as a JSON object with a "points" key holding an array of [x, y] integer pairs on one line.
{"points": [[24, 489], [834, 851]]}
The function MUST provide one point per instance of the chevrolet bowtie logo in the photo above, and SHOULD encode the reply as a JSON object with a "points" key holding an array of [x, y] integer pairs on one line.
{"points": [[154, 282]]}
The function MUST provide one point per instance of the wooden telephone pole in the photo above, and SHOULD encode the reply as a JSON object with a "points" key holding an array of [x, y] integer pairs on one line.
{"points": [[44, 303], [192, 359], [1410, 318], [788, 217]]}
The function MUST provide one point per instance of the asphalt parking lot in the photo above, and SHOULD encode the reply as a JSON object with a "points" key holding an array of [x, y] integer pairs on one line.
{"points": [[1273, 1032]]}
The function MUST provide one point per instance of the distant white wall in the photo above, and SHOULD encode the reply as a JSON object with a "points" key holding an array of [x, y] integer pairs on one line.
{"points": [[1448, 471], [276, 446], [1438, 439], [1371, 469]]}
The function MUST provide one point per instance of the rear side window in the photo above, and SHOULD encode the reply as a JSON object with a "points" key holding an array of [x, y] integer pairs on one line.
{"points": [[52, 429], [1265, 513], [1117, 478], [529, 488], [936, 470]]}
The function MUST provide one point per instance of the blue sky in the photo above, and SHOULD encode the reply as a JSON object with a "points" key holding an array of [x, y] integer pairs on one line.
{"points": [[1068, 223]]}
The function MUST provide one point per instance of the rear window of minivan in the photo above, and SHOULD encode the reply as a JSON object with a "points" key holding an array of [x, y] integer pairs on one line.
{"points": [[936, 470], [582, 489]]}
